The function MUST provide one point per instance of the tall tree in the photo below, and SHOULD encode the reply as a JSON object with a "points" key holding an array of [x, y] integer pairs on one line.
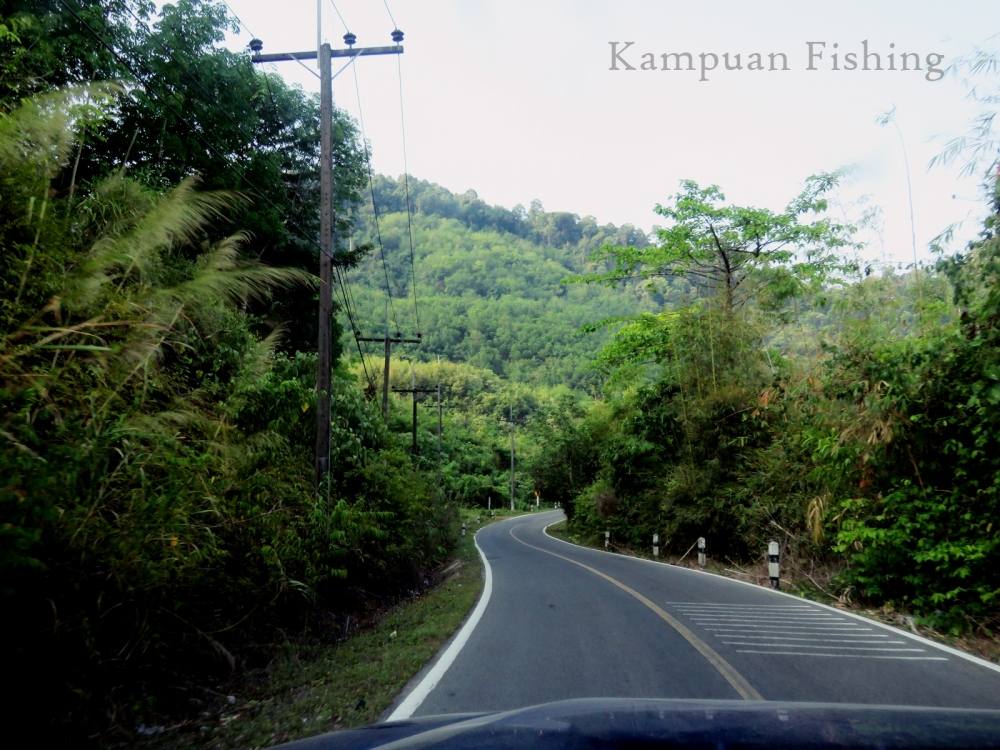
{"points": [[736, 252], [190, 107]]}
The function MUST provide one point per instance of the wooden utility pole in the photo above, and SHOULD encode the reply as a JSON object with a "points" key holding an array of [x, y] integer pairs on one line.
{"points": [[414, 391], [322, 455], [323, 55], [388, 341], [512, 456]]}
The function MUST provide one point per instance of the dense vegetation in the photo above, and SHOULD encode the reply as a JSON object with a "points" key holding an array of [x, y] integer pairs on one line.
{"points": [[490, 288], [732, 377], [854, 419], [160, 524]]}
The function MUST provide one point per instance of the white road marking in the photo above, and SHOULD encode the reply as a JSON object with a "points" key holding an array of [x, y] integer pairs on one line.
{"points": [[822, 646], [843, 656], [810, 619], [747, 613], [766, 620], [742, 608], [823, 625], [758, 615], [871, 639], [760, 591], [730, 606], [790, 628], [423, 688]]}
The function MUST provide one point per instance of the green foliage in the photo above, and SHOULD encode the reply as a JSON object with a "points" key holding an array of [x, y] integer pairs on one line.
{"points": [[565, 237], [736, 252], [157, 503], [922, 534], [858, 424], [175, 117], [493, 299]]}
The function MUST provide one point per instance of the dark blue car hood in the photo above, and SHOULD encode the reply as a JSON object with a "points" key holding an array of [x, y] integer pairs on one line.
{"points": [[720, 725]]}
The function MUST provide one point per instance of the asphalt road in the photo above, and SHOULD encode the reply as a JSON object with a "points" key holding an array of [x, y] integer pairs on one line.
{"points": [[563, 621]]}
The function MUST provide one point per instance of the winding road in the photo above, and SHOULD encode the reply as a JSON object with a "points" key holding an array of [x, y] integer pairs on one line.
{"points": [[560, 621]]}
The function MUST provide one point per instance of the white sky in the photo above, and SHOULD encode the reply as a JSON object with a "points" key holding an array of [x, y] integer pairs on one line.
{"points": [[514, 99]]}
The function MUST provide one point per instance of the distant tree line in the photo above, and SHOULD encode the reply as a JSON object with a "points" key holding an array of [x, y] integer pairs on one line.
{"points": [[579, 236]]}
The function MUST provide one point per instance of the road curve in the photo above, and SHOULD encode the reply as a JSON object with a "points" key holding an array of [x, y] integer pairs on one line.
{"points": [[564, 621]]}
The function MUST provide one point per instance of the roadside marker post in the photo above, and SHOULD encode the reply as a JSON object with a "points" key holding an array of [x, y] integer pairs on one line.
{"points": [[656, 545], [701, 551], [607, 539], [773, 562]]}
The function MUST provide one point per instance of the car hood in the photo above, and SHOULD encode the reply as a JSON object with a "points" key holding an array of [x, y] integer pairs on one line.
{"points": [[639, 723]]}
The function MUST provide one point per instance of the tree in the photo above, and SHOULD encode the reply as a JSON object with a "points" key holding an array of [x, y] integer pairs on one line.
{"points": [[157, 514], [190, 107], [733, 251]]}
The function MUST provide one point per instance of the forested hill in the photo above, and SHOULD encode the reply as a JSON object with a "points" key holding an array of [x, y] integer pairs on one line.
{"points": [[490, 282]]}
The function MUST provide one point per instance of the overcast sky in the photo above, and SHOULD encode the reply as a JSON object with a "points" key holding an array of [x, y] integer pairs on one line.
{"points": [[515, 100]]}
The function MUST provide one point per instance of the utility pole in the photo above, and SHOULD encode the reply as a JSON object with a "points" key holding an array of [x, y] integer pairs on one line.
{"points": [[323, 55], [414, 392], [322, 455], [512, 457], [388, 341], [385, 369], [440, 407]]}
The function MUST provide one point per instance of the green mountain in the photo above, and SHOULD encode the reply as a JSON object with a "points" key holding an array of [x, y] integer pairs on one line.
{"points": [[490, 283]]}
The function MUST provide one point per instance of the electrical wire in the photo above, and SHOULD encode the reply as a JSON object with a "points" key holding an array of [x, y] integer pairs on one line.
{"points": [[118, 55], [350, 303], [346, 295], [353, 303], [342, 21], [371, 190], [250, 32], [386, 4], [364, 142], [406, 184]]}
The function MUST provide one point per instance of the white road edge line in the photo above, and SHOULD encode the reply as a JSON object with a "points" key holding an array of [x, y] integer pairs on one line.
{"points": [[422, 689], [912, 636]]}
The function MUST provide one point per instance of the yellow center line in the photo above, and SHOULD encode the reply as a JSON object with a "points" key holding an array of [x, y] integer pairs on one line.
{"points": [[740, 683]]}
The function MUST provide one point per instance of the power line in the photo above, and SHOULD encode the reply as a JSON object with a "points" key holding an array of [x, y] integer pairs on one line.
{"points": [[145, 86], [357, 330], [342, 21], [237, 17], [386, 4], [345, 294], [244, 27], [250, 32], [349, 303], [371, 190], [208, 146], [406, 184]]}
